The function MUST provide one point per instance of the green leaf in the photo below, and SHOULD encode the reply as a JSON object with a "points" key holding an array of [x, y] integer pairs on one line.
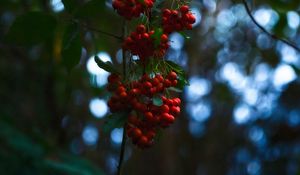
{"points": [[175, 89], [296, 69], [182, 82], [175, 67], [32, 28], [70, 5], [184, 35], [156, 36], [72, 47], [107, 66], [92, 9], [181, 75], [115, 120], [157, 101], [70, 164]]}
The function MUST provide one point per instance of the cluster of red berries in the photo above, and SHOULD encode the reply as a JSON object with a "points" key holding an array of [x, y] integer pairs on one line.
{"points": [[177, 20], [144, 100], [137, 98], [141, 43], [143, 128], [132, 8]]}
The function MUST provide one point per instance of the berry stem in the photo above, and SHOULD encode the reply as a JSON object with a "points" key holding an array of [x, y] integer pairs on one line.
{"points": [[123, 145]]}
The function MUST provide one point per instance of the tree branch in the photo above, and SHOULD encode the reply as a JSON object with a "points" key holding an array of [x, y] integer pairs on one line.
{"points": [[293, 45], [96, 30]]}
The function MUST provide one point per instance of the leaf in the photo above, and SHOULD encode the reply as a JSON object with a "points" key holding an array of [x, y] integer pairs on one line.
{"points": [[115, 120], [71, 52], [175, 89], [182, 82], [92, 9], [296, 69], [156, 36], [175, 67], [181, 75], [157, 101], [32, 28], [107, 66], [70, 5], [184, 35], [70, 164]]}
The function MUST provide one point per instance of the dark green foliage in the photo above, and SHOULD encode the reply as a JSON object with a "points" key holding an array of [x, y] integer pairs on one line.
{"points": [[32, 28], [108, 66], [71, 51]]}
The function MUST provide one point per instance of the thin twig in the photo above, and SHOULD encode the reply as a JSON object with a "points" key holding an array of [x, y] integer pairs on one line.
{"points": [[293, 45], [96, 30], [101, 31]]}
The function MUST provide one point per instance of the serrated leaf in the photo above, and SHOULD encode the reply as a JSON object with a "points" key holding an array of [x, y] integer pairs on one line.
{"points": [[71, 52], [32, 28], [115, 120], [107, 66], [157, 101]]}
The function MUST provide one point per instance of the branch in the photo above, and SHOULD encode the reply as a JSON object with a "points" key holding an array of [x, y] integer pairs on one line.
{"points": [[96, 30], [293, 45]]}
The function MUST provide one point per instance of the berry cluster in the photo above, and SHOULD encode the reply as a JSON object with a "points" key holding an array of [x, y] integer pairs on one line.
{"points": [[137, 98], [143, 98], [132, 8], [141, 43], [177, 20]]}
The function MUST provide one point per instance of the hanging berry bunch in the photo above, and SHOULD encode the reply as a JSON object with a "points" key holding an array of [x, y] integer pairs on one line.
{"points": [[140, 98]]}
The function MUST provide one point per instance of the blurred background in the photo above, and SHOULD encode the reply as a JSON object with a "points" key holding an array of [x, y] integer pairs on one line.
{"points": [[240, 114]]}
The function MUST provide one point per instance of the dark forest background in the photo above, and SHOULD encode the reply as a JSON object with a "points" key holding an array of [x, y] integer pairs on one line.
{"points": [[240, 114]]}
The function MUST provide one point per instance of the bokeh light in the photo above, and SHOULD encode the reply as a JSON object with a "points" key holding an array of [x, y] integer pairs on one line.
{"points": [[90, 135], [98, 107]]}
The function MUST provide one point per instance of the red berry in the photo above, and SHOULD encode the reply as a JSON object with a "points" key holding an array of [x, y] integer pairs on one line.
{"points": [[175, 110], [155, 81], [177, 101], [164, 108], [121, 89], [147, 84], [149, 116], [172, 75], [160, 78], [184, 9], [143, 141], [164, 38], [150, 134], [123, 94], [141, 29], [167, 83], [174, 83], [136, 133], [166, 12]]}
